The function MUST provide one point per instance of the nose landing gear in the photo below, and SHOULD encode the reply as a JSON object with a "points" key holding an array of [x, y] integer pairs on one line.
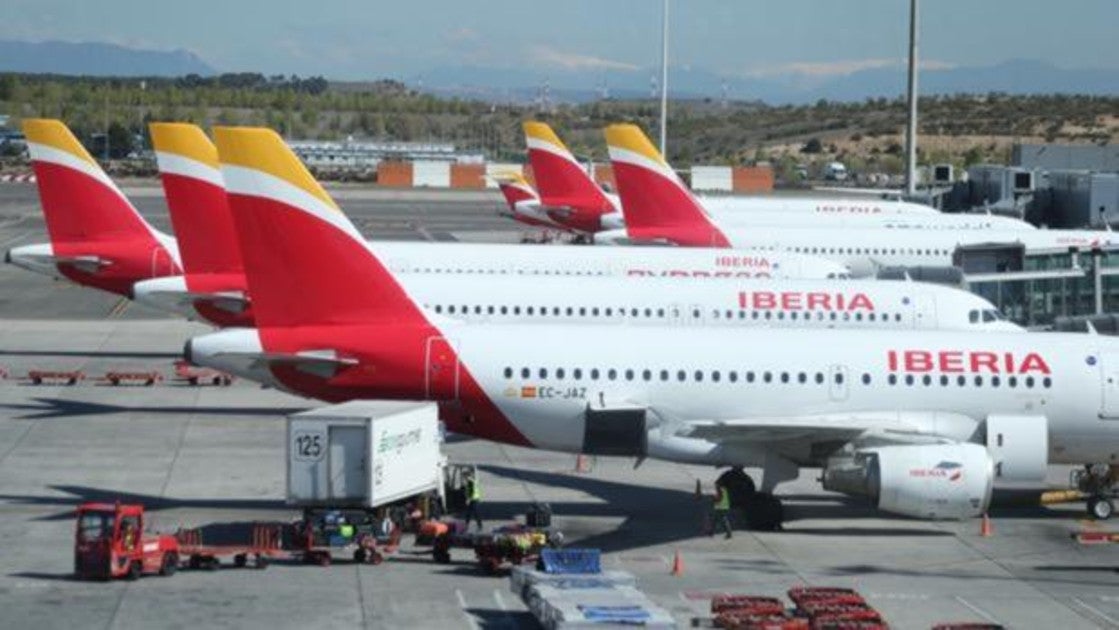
{"points": [[1098, 482]]}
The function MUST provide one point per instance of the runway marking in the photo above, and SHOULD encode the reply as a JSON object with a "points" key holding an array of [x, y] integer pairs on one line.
{"points": [[977, 610], [470, 623], [1097, 612]]}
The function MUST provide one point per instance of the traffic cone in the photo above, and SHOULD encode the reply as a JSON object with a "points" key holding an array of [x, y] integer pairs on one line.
{"points": [[985, 526], [677, 564]]}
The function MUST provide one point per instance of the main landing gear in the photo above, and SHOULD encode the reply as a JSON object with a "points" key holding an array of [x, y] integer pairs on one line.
{"points": [[761, 511], [1098, 482]]}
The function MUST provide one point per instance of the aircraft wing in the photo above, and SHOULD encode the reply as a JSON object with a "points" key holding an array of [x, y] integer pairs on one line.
{"points": [[810, 439]]}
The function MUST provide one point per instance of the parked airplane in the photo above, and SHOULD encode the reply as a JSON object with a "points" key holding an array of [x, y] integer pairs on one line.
{"points": [[524, 202], [568, 194], [214, 286], [213, 283], [660, 208], [570, 187], [924, 422], [98, 239]]}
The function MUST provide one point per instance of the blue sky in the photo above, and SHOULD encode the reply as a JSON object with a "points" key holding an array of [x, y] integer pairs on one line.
{"points": [[366, 39]]}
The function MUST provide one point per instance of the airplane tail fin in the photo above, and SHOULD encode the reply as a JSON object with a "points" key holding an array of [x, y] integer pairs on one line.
{"points": [[305, 262], [79, 200], [192, 182], [515, 188], [560, 178], [656, 203]]}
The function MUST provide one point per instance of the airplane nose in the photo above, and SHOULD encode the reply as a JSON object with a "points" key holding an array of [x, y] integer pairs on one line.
{"points": [[188, 351]]}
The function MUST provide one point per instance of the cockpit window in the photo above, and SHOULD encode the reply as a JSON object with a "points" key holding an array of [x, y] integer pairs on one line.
{"points": [[991, 315], [973, 316]]}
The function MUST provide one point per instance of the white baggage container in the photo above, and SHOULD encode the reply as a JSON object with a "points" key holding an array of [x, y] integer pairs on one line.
{"points": [[363, 454]]}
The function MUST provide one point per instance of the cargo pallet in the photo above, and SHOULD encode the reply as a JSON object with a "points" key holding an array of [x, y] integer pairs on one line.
{"points": [[265, 546], [69, 377], [146, 379]]}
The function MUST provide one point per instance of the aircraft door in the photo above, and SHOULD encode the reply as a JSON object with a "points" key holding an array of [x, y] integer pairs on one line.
{"points": [[442, 369], [837, 382], [923, 311], [1109, 380]]}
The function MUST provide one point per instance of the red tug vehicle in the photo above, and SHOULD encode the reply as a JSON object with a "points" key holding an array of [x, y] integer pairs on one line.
{"points": [[109, 543]]}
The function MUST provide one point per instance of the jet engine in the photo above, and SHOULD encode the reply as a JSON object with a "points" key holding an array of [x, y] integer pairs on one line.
{"points": [[937, 481]]}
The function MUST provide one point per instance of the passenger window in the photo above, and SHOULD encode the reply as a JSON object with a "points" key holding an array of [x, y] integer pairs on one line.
{"points": [[1012, 381], [866, 379], [908, 379], [594, 374], [784, 377], [943, 380], [577, 373], [892, 379], [629, 375], [647, 375], [594, 311], [664, 375], [733, 376], [543, 372], [698, 376], [681, 376], [504, 310], [995, 381], [1030, 382], [838, 378], [525, 373], [529, 311], [1046, 382], [767, 377], [979, 381], [611, 374], [819, 378], [559, 373], [927, 380], [961, 380], [802, 378], [715, 376], [508, 372]]}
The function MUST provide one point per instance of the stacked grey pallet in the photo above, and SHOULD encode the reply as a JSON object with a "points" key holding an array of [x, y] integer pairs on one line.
{"points": [[563, 599]]}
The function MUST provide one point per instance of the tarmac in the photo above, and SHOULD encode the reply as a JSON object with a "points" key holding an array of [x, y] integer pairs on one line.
{"points": [[214, 455]]}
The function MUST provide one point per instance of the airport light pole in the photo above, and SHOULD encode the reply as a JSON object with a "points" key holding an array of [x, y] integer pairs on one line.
{"points": [[911, 129], [664, 80]]}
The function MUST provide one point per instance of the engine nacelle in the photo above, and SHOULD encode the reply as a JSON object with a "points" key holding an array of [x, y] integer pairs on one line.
{"points": [[935, 481]]}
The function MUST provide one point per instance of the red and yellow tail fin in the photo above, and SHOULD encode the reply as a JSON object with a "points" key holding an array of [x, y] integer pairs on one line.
{"points": [[560, 178], [655, 202], [192, 182], [515, 188], [80, 202], [305, 262]]}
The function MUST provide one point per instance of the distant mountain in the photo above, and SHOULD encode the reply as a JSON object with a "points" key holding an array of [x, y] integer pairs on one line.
{"points": [[1013, 77], [96, 59]]}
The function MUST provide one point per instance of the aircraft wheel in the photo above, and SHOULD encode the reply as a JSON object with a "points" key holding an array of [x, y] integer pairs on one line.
{"points": [[1101, 508]]}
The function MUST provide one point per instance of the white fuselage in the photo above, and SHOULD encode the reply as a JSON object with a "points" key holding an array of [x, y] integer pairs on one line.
{"points": [[943, 385]]}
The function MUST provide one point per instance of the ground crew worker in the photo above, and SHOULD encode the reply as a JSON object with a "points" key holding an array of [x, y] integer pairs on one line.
{"points": [[473, 498], [721, 510]]}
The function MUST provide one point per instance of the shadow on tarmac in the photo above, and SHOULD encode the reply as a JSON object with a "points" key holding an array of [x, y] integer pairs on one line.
{"points": [[151, 502], [50, 408]]}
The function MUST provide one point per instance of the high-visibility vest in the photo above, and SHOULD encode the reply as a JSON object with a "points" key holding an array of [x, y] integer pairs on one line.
{"points": [[723, 502], [347, 531], [475, 490]]}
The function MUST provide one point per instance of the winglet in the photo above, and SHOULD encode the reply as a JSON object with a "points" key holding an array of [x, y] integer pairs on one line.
{"points": [[655, 202], [195, 191]]}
